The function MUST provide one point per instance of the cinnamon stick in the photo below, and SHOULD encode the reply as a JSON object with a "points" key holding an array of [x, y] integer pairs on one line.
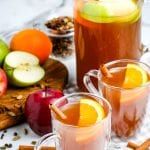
{"points": [[105, 71], [55, 109], [144, 145], [25, 147], [132, 145]]}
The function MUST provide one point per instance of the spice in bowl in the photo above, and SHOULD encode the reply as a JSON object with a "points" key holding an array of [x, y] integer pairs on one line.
{"points": [[62, 47], [60, 25], [61, 31]]}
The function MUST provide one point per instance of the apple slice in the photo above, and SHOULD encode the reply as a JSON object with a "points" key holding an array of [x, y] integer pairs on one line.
{"points": [[96, 11], [23, 69], [108, 11]]}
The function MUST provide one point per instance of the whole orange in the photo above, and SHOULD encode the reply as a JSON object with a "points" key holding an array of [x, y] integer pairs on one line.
{"points": [[33, 41]]}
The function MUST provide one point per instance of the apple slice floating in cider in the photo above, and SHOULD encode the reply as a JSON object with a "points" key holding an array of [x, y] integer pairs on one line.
{"points": [[23, 69], [110, 11]]}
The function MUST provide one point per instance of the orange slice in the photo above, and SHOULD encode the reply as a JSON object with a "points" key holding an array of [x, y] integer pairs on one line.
{"points": [[135, 76], [90, 112]]}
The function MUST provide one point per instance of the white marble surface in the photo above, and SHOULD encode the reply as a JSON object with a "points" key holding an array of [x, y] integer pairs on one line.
{"points": [[146, 24], [14, 13], [17, 12]]}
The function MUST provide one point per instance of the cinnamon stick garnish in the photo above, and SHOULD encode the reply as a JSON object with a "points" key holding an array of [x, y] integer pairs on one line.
{"points": [[55, 109], [25, 147], [105, 71]]}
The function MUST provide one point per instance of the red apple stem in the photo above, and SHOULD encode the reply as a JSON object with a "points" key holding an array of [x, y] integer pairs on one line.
{"points": [[46, 91], [55, 109]]}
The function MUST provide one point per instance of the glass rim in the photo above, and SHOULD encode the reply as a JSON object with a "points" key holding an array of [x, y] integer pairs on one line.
{"points": [[86, 94], [123, 61]]}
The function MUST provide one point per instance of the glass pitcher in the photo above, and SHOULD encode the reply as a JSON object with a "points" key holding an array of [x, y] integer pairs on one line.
{"points": [[106, 30]]}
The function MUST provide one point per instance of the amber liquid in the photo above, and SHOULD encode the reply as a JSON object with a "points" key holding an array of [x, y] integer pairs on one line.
{"points": [[72, 111], [98, 43], [73, 114], [73, 137], [128, 106]]}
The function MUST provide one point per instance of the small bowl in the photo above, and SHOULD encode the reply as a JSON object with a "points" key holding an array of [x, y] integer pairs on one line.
{"points": [[67, 33]]}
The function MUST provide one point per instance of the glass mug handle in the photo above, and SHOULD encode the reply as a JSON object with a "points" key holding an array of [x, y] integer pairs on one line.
{"points": [[45, 141], [88, 82]]}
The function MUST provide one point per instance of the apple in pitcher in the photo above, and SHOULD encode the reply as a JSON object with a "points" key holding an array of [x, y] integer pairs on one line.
{"points": [[37, 110]]}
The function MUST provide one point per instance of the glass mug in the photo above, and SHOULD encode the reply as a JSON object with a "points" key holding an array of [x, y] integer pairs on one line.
{"points": [[106, 30], [128, 105], [67, 136]]}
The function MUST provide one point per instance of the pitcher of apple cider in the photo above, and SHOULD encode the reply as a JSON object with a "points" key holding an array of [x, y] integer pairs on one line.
{"points": [[106, 30]]}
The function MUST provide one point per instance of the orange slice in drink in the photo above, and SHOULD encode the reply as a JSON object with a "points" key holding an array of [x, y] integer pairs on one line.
{"points": [[135, 76], [90, 112]]}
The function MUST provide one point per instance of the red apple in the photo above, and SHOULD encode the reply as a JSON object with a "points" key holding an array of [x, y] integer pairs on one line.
{"points": [[3, 82], [37, 110]]}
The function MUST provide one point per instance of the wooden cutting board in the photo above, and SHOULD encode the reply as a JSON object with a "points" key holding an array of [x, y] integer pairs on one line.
{"points": [[12, 102]]}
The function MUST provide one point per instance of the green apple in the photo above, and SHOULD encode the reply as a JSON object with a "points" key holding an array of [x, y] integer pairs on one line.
{"points": [[23, 69], [4, 50]]}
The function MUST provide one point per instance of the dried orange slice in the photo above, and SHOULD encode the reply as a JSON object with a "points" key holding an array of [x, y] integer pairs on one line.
{"points": [[90, 112], [135, 76]]}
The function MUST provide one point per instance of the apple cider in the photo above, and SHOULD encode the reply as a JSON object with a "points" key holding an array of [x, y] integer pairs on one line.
{"points": [[80, 133], [85, 125], [128, 100], [104, 31]]}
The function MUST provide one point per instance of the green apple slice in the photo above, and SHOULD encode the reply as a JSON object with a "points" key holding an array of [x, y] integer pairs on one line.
{"points": [[17, 58], [28, 76], [96, 11], [23, 69], [125, 10], [133, 17], [108, 11]]}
